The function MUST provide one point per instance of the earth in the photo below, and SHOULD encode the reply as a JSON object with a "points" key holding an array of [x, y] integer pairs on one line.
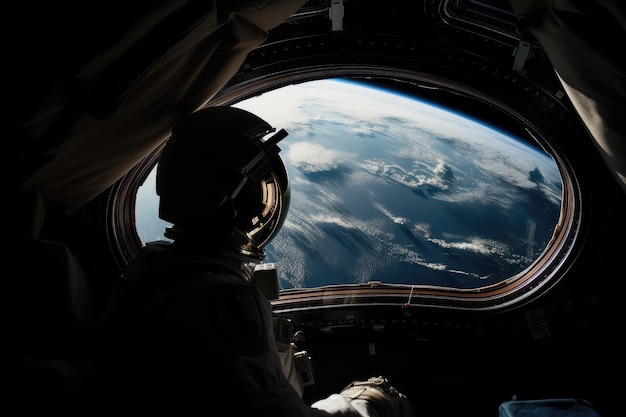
{"points": [[388, 188]]}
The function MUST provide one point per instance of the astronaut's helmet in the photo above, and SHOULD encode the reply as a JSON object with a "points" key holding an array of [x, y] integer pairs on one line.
{"points": [[221, 181]]}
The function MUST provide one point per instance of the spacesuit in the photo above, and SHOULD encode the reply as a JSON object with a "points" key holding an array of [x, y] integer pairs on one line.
{"points": [[201, 326]]}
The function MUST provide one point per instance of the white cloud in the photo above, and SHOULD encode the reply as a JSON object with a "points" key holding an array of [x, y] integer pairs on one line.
{"points": [[409, 178], [473, 244], [395, 219], [311, 157], [332, 219]]}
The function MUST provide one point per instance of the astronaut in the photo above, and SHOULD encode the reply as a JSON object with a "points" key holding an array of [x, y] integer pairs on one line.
{"points": [[201, 326]]}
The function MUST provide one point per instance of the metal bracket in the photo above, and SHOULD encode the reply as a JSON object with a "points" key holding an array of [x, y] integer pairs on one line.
{"points": [[336, 15], [521, 55]]}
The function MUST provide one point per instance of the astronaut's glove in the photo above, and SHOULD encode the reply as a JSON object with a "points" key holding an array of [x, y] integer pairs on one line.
{"points": [[378, 397]]}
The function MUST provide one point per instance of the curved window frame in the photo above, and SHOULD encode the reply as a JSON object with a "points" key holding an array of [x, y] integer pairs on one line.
{"points": [[541, 275]]}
